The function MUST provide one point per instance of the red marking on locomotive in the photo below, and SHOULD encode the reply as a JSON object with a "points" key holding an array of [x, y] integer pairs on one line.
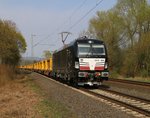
{"points": [[99, 68], [84, 68]]}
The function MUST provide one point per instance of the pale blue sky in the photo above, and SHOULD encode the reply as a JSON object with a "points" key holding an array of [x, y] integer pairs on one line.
{"points": [[47, 18]]}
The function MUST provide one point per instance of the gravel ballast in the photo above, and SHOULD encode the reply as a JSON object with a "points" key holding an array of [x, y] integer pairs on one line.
{"points": [[129, 89], [81, 105]]}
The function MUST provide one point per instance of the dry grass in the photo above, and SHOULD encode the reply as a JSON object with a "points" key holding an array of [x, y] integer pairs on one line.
{"points": [[17, 100], [7, 74]]}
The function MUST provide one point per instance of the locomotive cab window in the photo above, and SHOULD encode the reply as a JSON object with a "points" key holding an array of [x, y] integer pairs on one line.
{"points": [[98, 49], [84, 49], [91, 49]]}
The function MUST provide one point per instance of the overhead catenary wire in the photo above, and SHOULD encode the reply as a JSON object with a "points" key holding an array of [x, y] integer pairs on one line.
{"points": [[76, 23], [78, 8], [73, 13], [56, 30]]}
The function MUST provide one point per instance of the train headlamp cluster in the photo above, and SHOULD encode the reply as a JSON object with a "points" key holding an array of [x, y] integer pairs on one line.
{"points": [[97, 74], [76, 65], [106, 65], [90, 75]]}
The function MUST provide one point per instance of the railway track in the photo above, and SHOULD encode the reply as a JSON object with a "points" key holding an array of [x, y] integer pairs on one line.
{"points": [[136, 104], [144, 84]]}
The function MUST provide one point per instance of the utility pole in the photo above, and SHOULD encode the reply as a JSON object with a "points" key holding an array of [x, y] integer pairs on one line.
{"points": [[64, 38], [32, 51]]}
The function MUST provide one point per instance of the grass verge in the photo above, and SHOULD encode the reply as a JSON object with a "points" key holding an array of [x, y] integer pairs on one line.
{"points": [[17, 100], [7, 74], [20, 97], [48, 107]]}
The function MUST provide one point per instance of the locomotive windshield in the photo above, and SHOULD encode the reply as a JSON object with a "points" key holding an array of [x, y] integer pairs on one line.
{"points": [[90, 49]]}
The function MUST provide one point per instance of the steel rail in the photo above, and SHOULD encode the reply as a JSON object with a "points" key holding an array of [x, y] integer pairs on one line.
{"points": [[129, 106], [145, 84], [127, 95]]}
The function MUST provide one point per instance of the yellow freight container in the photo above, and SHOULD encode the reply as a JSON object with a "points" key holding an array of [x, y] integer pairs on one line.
{"points": [[51, 64]]}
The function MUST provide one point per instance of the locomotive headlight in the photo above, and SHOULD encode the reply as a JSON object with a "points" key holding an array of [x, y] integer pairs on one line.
{"points": [[76, 64], [106, 65], [97, 74]]}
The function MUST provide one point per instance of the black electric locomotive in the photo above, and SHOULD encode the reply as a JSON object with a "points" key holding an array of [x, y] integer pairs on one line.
{"points": [[82, 62]]}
